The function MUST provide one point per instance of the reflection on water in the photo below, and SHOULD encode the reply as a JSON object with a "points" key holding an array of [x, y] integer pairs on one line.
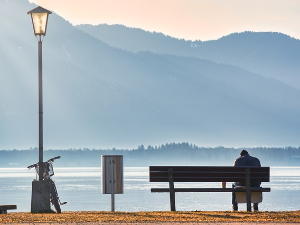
{"points": [[81, 188]]}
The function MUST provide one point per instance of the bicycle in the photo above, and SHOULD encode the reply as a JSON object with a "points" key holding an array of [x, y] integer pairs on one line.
{"points": [[48, 173]]}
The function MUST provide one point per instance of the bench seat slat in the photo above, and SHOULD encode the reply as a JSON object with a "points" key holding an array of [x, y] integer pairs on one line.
{"points": [[234, 173], [208, 168], [207, 179], [216, 174], [210, 190]]}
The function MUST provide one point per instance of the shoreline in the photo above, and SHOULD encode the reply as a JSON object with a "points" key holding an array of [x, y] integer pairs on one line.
{"points": [[156, 217]]}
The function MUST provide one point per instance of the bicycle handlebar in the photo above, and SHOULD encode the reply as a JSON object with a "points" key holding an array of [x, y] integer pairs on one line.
{"points": [[50, 160], [31, 166]]}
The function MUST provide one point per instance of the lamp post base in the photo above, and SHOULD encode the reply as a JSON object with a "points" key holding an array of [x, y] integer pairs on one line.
{"points": [[40, 198]]}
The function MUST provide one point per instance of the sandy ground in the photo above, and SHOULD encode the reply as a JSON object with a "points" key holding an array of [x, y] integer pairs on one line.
{"points": [[158, 223], [153, 218]]}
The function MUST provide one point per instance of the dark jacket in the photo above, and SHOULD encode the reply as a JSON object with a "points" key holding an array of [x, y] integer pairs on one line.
{"points": [[247, 160]]}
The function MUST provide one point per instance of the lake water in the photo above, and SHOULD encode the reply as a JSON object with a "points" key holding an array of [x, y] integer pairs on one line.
{"points": [[81, 188]]}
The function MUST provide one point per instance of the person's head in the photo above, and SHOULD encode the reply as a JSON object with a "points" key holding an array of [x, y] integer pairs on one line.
{"points": [[243, 152]]}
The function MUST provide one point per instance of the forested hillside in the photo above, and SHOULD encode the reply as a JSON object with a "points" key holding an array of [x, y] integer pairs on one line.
{"points": [[269, 54], [167, 154]]}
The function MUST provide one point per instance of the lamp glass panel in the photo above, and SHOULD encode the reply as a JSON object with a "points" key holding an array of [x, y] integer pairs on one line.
{"points": [[39, 23]]}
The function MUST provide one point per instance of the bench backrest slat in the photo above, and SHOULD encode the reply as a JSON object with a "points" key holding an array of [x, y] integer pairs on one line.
{"points": [[208, 174]]}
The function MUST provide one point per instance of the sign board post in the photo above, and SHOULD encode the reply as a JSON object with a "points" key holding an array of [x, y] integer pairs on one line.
{"points": [[112, 176]]}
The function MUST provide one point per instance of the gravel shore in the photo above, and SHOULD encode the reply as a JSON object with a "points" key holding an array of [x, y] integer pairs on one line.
{"points": [[156, 223], [153, 218]]}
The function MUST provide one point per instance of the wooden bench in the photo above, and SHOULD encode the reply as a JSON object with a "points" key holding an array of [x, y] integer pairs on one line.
{"points": [[4, 208], [231, 174]]}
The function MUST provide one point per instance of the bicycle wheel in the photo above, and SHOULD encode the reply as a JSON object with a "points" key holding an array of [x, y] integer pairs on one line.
{"points": [[54, 196]]}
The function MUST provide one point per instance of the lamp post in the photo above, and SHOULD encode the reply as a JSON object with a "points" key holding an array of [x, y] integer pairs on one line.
{"points": [[39, 18]]}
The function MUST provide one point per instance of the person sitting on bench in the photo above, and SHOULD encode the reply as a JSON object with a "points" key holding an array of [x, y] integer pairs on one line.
{"points": [[245, 160]]}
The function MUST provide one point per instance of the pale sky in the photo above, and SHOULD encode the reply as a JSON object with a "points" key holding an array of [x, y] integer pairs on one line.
{"points": [[188, 19]]}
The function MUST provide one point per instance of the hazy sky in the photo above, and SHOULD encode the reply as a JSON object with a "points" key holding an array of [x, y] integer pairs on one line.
{"points": [[189, 19]]}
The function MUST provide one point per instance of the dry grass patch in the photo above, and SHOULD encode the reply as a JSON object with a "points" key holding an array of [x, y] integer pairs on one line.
{"points": [[199, 216]]}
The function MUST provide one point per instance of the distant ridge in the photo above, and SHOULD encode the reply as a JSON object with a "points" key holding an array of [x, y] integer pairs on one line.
{"points": [[269, 54]]}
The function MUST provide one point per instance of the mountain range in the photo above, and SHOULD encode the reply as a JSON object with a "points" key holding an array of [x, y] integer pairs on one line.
{"points": [[270, 54], [100, 93]]}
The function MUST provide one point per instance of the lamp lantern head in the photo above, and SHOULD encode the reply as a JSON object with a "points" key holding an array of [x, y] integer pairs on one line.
{"points": [[39, 17]]}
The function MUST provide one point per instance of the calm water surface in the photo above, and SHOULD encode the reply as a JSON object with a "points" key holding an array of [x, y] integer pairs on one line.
{"points": [[81, 188]]}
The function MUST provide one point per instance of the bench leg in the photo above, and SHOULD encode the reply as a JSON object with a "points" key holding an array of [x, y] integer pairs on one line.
{"points": [[172, 191], [248, 190], [172, 201], [3, 212]]}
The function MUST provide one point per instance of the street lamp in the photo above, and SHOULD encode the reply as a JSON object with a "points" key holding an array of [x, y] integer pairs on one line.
{"points": [[39, 18]]}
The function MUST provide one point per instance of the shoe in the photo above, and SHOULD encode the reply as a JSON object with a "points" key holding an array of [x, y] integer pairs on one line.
{"points": [[255, 207], [235, 208]]}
